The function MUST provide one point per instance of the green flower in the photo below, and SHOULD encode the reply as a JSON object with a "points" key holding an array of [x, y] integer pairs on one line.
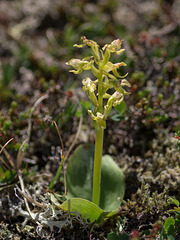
{"points": [[87, 42], [113, 67], [94, 46], [118, 85], [114, 47], [124, 82], [79, 65], [99, 118], [114, 99], [89, 87], [106, 74]]}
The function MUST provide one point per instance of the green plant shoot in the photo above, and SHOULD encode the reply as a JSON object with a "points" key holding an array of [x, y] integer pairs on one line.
{"points": [[106, 77]]}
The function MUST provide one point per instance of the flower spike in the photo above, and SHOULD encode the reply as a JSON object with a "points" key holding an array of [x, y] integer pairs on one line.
{"points": [[107, 78]]}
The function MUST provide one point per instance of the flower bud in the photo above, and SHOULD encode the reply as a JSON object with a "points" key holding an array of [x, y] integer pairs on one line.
{"points": [[94, 46], [116, 98], [99, 118]]}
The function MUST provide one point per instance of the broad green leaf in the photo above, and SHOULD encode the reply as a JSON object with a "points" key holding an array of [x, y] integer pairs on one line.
{"points": [[117, 117], [123, 236], [83, 206], [80, 178], [10, 174], [168, 223], [2, 177], [112, 236], [171, 230], [121, 108], [173, 201], [88, 209], [7, 176], [80, 172]]}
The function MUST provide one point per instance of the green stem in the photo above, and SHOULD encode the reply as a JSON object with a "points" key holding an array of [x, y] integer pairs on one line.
{"points": [[98, 146], [51, 185], [97, 165], [98, 150]]}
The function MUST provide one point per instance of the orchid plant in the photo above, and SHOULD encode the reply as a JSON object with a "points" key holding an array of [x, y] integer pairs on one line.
{"points": [[106, 77]]}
